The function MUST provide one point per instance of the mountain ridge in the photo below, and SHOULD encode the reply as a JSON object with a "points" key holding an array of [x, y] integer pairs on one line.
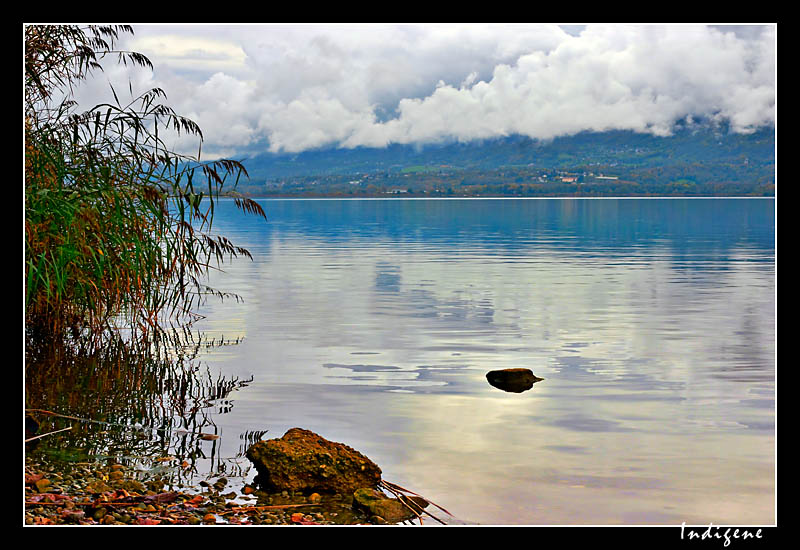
{"points": [[695, 154]]}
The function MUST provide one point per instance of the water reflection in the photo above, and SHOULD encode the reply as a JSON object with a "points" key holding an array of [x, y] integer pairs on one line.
{"points": [[153, 409], [511, 229], [653, 321]]}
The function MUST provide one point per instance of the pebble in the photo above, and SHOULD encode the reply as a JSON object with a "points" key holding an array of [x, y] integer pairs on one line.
{"points": [[42, 485]]}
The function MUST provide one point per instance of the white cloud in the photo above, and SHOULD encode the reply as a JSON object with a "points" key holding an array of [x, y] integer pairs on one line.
{"points": [[304, 86], [199, 53], [635, 78]]}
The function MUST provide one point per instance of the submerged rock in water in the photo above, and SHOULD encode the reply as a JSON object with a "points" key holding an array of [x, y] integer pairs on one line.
{"points": [[391, 510], [512, 380], [304, 461]]}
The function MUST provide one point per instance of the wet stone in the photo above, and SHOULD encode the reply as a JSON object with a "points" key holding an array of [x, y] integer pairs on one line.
{"points": [[382, 508], [305, 462], [97, 487], [42, 485], [515, 380]]}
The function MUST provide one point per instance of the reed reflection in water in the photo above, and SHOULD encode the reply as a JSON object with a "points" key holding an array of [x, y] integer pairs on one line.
{"points": [[152, 410]]}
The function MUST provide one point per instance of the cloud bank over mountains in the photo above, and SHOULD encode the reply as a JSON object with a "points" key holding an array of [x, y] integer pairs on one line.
{"points": [[289, 88]]}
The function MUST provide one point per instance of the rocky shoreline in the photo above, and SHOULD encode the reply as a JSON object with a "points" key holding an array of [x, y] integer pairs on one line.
{"points": [[62, 493], [311, 481]]}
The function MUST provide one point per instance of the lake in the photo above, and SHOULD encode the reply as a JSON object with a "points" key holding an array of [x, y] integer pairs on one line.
{"points": [[652, 322]]}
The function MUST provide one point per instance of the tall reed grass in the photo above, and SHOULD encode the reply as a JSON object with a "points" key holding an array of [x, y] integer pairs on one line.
{"points": [[118, 228]]}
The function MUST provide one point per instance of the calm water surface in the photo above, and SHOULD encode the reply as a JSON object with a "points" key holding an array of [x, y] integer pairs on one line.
{"points": [[374, 323]]}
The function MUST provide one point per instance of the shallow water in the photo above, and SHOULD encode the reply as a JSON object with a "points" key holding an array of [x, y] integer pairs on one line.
{"points": [[652, 322]]}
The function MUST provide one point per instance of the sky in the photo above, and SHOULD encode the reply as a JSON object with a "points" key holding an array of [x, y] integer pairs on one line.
{"points": [[294, 87]]}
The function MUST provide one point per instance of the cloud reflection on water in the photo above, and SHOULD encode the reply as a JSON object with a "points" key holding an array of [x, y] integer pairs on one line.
{"points": [[375, 322]]}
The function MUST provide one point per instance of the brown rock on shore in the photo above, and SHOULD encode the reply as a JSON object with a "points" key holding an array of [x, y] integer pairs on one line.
{"points": [[306, 462]]}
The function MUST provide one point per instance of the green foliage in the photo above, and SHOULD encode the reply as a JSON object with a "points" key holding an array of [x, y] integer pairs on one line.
{"points": [[117, 226], [714, 147]]}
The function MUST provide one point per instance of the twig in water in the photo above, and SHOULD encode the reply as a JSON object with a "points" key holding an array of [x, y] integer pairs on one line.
{"points": [[48, 433], [270, 507], [398, 491], [404, 490]]}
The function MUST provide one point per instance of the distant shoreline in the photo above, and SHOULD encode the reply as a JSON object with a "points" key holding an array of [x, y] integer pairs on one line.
{"points": [[478, 197]]}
